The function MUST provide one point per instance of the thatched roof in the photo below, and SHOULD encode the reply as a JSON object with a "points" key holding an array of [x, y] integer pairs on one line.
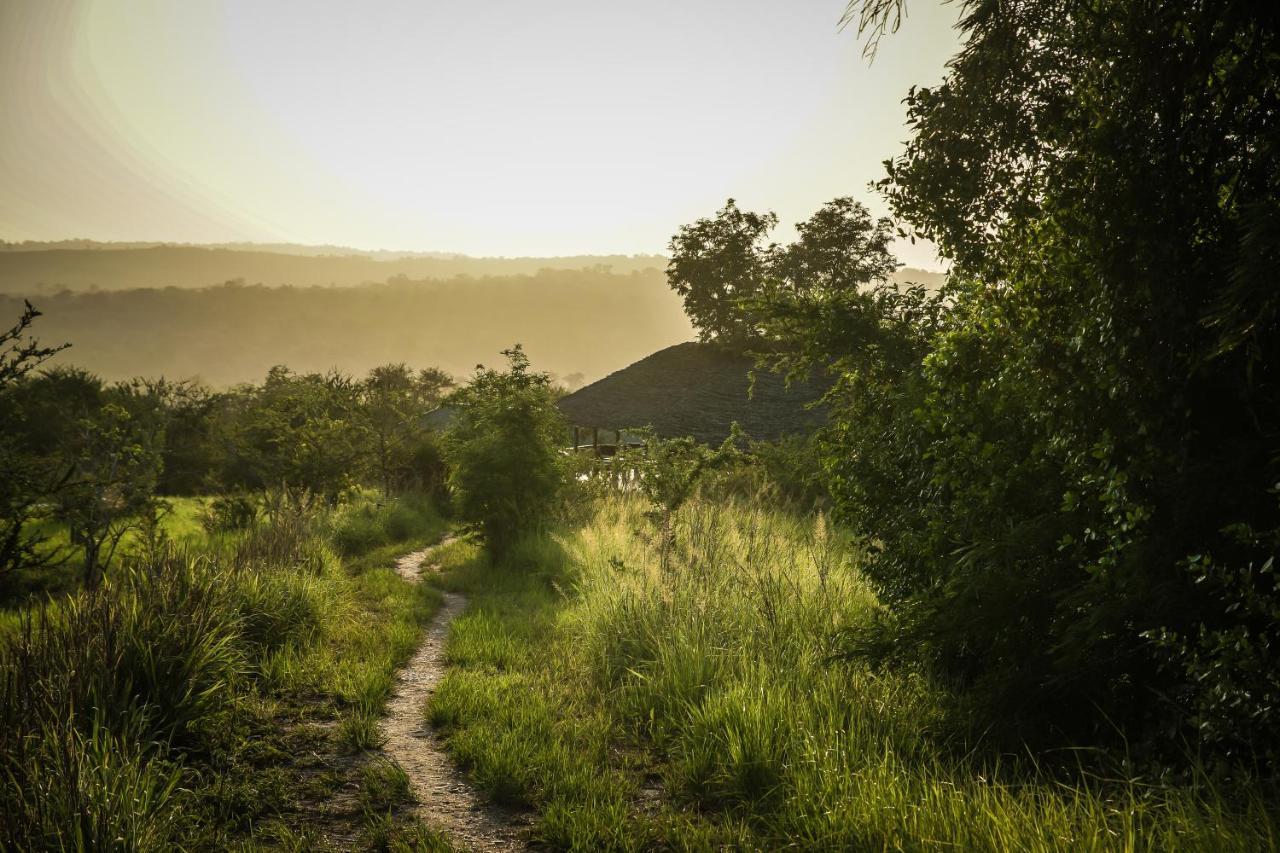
{"points": [[697, 390]]}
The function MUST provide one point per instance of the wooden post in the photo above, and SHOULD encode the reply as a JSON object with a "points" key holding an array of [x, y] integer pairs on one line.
{"points": [[575, 439], [595, 441]]}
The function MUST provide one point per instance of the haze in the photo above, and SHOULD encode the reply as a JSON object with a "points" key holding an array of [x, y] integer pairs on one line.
{"points": [[536, 128]]}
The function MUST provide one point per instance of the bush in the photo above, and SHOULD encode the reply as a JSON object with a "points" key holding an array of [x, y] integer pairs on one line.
{"points": [[359, 530], [362, 526], [227, 513], [503, 449]]}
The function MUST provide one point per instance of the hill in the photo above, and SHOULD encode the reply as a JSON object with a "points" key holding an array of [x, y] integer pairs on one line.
{"points": [[584, 322]]}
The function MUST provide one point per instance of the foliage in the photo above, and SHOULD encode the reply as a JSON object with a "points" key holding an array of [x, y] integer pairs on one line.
{"points": [[27, 479], [154, 712], [299, 431], [363, 526], [395, 399], [728, 275], [670, 471], [503, 448], [19, 352], [115, 460], [717, 262], [1092, 413], [232, 512], [1063, 461]]}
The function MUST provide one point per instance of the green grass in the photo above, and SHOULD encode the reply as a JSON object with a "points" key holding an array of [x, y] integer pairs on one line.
{"points": [[177, 705], [705, 707], [181, 523]]}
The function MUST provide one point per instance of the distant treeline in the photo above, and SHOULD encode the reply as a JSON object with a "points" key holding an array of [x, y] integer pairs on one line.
{"points": [[49, 270], [579, 325]]}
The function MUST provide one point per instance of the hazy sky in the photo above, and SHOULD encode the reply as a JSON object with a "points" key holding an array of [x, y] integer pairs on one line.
{"points": [[511, 127]]}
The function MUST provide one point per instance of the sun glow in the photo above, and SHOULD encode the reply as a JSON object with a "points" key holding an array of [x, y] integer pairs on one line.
{"points": [[498, 128]]}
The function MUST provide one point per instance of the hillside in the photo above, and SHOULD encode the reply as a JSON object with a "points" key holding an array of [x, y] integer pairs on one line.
{"points": [[586, 322]]}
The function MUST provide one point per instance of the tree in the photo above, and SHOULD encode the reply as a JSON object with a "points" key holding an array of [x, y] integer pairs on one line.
{"points": [[733, 282], [715, 264], [306, 433], [1098, 462], [116, 460], [29, 478], [504, 451], [19, 352], [395, 400]]}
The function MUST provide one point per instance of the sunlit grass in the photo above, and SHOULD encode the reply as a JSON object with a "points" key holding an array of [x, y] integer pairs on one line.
{"points": [[705, 706]]}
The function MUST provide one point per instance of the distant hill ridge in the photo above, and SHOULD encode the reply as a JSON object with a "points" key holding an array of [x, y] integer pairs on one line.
{"points": [[33, 268], [27, 271]]}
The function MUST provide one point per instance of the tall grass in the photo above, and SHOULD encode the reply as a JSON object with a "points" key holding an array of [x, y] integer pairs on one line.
{"points": [[128, 711], [720, 676]]}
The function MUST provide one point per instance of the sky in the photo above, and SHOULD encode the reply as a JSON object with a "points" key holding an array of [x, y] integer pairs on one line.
{"points": [[505, 127]]}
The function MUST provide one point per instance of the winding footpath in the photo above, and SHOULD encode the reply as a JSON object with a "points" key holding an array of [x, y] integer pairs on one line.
{"points": [[445, 799]]}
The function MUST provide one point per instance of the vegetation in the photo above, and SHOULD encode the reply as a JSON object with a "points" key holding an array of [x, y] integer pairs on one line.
{"points": [[705, 705], [503, 451], [169, 707], [1019, 592], [1060, 459]]}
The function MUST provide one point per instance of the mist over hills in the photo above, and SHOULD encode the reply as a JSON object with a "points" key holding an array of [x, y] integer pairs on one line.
{"points": [[587, 322]]}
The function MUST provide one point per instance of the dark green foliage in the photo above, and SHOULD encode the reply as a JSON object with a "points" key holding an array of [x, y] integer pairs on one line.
{"points": [[27, 478], [727, 274], [395, 400], [20, 353], [226, 513], [301, 431], [504, 448], [1067, 464], [368, 526], [715, 264]]}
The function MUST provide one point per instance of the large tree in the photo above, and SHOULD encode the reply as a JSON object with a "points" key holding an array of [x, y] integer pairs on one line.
{"points": [[1093, 538], [729, 274]]}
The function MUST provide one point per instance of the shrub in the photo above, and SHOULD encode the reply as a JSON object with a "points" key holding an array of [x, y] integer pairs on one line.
{"points": [[359, 530], [503, 448], [229, 513]]}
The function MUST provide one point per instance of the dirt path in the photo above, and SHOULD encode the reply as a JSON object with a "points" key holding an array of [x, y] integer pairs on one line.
{"points": [[446, 800]]}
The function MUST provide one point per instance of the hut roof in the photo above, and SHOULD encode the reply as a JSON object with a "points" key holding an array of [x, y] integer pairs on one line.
{"points": [[698, 390]]}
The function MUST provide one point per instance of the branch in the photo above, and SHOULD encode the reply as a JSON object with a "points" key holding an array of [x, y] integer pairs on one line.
{"points": [[875, 18]]}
